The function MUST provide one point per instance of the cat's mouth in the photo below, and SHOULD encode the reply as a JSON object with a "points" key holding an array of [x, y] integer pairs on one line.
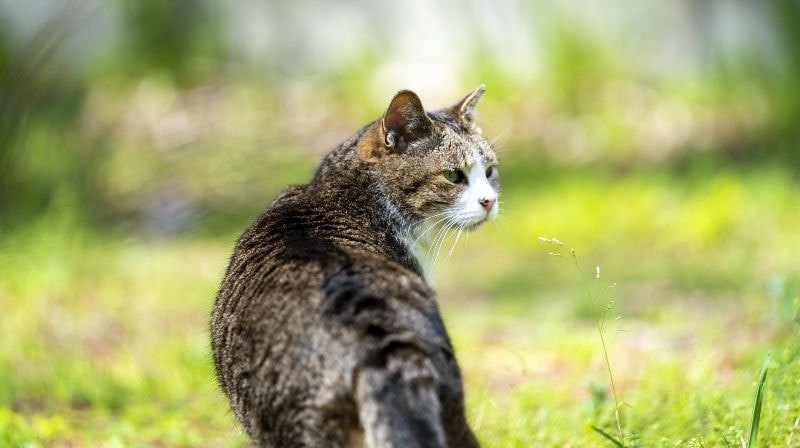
{"points": [[474, 225]]}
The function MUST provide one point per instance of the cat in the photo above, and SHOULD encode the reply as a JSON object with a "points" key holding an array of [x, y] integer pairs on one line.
{"points": [[324, 331]]}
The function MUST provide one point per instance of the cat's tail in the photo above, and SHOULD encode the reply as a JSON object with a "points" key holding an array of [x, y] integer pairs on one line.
{"points": [[399, 406]]}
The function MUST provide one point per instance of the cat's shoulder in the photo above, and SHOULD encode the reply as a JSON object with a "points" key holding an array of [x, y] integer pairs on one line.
{"points": [[288, 196]]}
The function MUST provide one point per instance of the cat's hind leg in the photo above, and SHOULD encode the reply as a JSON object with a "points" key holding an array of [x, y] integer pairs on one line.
{"points": [[397, 398]]}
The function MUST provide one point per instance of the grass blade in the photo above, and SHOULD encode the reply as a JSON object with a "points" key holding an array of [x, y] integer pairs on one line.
{"points": [[608, 436], [727, 444], [757, 405]]}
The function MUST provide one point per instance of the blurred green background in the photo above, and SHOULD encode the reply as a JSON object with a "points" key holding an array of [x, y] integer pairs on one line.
{"points": [[660, 140]]}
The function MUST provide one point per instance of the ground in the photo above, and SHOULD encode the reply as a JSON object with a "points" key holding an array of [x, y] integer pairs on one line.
{"points": [[105, 335]]}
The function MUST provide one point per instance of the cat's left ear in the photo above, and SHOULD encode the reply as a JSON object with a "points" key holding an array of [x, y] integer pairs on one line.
{"points": [[464, 110], [405, 120]]}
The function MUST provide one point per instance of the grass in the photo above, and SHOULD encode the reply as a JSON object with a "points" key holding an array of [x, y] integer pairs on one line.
{"points": [[600, 319], [105, 335], [108, 346], [592, 295], [757, 404]]}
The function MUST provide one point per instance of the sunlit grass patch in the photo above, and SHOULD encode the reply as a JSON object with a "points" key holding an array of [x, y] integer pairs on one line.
{"points": [[107, 341]]}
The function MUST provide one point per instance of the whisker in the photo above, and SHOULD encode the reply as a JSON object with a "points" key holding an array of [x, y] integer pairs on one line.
{"points": [[428, 218], [432, 241], [460, 231], [433, 224], [428, 229], [441, 235], [444, 238], [500, 135]]}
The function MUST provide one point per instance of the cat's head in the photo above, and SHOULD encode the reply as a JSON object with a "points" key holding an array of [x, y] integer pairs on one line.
{"points": [[434, 164]]}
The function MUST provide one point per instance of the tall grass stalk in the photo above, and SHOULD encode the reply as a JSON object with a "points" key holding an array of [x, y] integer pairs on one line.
{"points": [[600, 322]]}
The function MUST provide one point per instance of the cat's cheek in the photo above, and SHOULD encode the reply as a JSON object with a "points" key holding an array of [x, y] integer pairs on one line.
{"points": [[428, 202]]}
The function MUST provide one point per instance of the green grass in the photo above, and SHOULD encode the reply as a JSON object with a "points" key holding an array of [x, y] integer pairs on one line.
{"points": [[105, 337], [757, 405]]}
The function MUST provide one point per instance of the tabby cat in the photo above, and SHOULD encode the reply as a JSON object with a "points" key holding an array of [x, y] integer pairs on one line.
{"points": [[324, 331]]}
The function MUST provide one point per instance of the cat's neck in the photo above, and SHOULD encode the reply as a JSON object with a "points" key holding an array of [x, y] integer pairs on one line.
{"points": [[366, 218]]}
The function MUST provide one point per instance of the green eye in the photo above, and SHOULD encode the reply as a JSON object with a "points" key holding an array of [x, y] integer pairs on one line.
{"points": [[489, 172], [455, 176]]}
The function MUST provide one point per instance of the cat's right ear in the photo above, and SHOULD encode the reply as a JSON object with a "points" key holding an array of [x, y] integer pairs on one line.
{"points": [[405, 120], [464, 110]]}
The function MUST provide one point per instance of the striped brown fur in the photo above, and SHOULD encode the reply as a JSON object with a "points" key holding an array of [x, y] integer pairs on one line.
{"points": [[324, 327]]}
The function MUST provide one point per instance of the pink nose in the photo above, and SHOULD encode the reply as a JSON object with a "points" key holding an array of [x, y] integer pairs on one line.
{"points": [[487, 203]]}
